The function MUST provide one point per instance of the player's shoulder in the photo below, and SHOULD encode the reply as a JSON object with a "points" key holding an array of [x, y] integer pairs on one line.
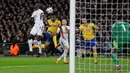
{"points": [[39, 11], [57, 20], [68, 26], [81, 26]]}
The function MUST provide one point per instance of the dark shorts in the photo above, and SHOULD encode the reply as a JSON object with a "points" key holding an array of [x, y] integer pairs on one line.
{"points": [[89, 44], [48, 36]]}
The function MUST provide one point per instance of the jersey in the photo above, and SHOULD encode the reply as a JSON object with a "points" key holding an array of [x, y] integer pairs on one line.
{"points": [[37, 16], [88, 31], [64, 42], [38, 27], [53, 26], [65, 33], [122, 30]]}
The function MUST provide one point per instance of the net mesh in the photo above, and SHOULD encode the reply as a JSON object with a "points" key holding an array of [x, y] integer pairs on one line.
{"points": [[103, 13]]}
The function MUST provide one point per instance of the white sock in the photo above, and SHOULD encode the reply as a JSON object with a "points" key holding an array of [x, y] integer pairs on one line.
{"points": [[39, 46], [65, 54], [30, 44], [61, 56], [117, 65]]}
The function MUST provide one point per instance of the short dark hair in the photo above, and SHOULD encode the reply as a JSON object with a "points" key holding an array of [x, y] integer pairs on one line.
{"points": [[37, 6]]}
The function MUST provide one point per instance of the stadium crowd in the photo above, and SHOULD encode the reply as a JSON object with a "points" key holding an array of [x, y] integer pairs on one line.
{"points": [[102, 12], [14, 11]]}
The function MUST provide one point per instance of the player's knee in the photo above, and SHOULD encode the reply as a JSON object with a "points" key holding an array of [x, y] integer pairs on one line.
{"points": [[47, 43], [38, 38], [94, 49], [87, 51]]}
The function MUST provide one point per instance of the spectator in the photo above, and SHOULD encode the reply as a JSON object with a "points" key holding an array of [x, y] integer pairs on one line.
{"points": [[14, 49]]}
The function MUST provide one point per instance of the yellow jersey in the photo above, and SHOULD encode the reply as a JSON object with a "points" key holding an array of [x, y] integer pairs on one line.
{"points": [[53, 25], [88, 31]]}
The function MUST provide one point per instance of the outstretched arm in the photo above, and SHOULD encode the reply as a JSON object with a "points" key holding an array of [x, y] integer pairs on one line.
{"points": [[27, 20]]}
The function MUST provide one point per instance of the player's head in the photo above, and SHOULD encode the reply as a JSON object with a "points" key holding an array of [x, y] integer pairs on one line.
{"points": [[64, 21], [37, 6], [84, 21], [119, 18], [53, 17]]}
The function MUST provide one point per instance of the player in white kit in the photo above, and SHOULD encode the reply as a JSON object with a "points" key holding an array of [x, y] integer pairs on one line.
{"points": [[37, 29], [64, 43]]}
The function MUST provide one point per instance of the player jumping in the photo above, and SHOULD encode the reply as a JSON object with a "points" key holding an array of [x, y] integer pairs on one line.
{"points": [[37, 29], [53, 25]]}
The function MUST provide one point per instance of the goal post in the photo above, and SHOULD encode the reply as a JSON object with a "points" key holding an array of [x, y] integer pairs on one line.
{"points": [[72, 37]]}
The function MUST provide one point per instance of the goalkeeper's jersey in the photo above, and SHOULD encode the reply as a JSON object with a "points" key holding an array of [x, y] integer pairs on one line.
{"points": [[122, 30]]}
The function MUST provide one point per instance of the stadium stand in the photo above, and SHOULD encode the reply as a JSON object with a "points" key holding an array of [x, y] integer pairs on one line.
{"points": [[14, 11]]}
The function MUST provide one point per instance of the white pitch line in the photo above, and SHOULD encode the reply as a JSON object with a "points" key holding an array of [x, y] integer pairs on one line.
{"points": [[18, 66], [23, 66], [15, 66]]}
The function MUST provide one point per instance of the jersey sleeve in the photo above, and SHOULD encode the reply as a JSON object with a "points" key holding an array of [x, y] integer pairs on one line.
{"points": [[42, 13], [80, 27], [114, 31], [48, 22], [113, 25], [68, 27], [59, 23], [92, 24], [58, 30]]}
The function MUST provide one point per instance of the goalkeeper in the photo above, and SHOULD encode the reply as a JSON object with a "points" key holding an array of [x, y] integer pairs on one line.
{"points": [[87, 30], [120, 37]]}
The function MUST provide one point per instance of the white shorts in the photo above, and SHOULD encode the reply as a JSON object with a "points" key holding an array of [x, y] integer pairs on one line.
{"points": [[64, 43], [37, 29]]}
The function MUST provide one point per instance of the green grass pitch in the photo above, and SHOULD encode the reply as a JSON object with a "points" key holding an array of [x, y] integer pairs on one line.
{"points": [[47, 65]]}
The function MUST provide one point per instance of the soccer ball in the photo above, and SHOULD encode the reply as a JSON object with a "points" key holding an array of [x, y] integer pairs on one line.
{"points": [[49, 10]]}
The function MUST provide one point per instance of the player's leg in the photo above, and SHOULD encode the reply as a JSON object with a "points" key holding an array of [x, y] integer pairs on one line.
{"points": [[64, 44], [30, 42], [115, 60], [39, 34], [55, 41], [95, 54], [39, 45], [87, 48], [30, 39], [93, 46], [48, 39], [65, 55], [114, 55], [61, 46], [66, 49]]}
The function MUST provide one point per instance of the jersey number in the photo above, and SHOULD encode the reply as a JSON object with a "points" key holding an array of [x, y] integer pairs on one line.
{"points": [[123, 27]]}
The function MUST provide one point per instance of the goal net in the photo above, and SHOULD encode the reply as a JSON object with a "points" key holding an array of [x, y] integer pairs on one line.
{"points": [[112, 40]]}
